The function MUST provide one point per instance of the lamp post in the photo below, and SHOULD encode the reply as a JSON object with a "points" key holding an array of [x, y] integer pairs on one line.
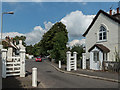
{"points": [[1, 25]]}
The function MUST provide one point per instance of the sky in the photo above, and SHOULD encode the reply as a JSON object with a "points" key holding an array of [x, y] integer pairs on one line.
{"points": [[33, 19]]}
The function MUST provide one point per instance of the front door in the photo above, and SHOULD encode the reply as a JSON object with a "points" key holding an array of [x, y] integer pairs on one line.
{"points": [[96, 61]]}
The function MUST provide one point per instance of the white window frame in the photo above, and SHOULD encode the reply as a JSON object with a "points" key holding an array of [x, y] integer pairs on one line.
{"points": [[106, 30]]}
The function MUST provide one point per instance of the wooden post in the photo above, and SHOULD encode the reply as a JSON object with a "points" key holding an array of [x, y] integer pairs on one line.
{"points": [[4, 57], [59, 64], [22, 63], [75, 60], [83, 60], [68, 61], [34, 77]]}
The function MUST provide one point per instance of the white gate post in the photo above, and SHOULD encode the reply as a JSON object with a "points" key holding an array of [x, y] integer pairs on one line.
{"points": [[59, 64], [22, 63], [68, 60], [75, 60], [4, 57], [83, 60], [34, 77]]}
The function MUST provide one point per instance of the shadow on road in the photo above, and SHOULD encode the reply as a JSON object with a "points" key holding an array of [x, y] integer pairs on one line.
{"points": [[17, 81], [11, 82]]}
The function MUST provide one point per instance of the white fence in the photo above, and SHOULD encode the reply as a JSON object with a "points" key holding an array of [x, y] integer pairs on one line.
{"points": [[14, 67], [71, 61]]}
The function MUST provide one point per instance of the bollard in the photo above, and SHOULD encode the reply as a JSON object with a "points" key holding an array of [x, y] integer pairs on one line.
{"points": [[34, 77], [59, 64]]}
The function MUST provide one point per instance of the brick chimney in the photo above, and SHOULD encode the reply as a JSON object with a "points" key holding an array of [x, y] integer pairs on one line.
{"points": [[117, 10], [110, 12]]}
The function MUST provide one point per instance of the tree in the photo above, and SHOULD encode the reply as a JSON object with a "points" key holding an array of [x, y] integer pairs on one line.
{"points": [[54, 42], [29, 49], [17, 38], [78, 49]]}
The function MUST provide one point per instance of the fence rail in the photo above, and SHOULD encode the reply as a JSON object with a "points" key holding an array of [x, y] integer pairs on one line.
{"points": [[16, 65]]}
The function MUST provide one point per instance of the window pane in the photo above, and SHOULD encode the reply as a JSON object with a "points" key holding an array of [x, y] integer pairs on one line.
{"points": [[104, 29], [96, 56], [104, 37], [104, 33], [100, 38]]}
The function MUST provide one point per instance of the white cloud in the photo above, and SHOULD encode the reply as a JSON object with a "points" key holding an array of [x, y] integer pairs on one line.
{"points": [[84, 3], [36, 35], [11, 34], [76, 42], [48, 25], [31, 37], [76, 23]]}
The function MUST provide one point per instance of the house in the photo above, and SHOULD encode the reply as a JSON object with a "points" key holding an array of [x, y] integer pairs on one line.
{"points": [[103, 39], [29, 56], [12, 48]]}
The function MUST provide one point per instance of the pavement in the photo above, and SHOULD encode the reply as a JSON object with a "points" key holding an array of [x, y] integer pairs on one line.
{"points": [[102, 75], [15, 82]]}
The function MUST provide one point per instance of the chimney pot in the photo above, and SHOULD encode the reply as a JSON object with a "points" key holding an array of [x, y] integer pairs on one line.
{"points": [[110, 12], [117, 10]]}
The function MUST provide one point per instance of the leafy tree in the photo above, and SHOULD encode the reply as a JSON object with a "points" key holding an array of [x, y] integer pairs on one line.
{"points": [[78, 49], [54, 42], [29, 49], [17, 38]]}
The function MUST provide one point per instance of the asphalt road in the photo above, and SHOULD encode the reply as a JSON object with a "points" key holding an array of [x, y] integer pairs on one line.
{"points": [[51, 78]]}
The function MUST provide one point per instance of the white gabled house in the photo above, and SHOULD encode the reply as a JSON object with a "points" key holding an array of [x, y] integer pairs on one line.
{"points": [[103, 38]]}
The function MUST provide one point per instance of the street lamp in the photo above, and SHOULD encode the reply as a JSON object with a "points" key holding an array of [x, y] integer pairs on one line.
{"points": [[2, 22]]}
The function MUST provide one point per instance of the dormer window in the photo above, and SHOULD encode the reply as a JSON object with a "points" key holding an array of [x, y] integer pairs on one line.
{"points": [[102, 33]]}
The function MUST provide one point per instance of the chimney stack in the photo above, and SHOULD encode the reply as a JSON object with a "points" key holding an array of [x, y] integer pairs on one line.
{"points": [[117, 10], [110, 12]]}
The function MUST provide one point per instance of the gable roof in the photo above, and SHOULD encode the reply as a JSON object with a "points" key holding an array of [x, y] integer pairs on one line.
{"points": [[115, 18], [101, 47]]}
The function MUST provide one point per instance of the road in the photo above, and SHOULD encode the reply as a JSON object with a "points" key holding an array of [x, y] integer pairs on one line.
{"points": [[51, 78]]}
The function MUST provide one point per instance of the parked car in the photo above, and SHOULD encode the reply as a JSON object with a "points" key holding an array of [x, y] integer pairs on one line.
{"points": [[38, 59]]}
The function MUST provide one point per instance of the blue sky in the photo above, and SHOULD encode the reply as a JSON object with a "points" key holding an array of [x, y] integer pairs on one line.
{"points": [[28, 15]]}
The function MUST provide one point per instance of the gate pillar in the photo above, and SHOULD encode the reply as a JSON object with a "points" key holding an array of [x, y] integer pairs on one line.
{"points": [[4, 57], [22, 63]]}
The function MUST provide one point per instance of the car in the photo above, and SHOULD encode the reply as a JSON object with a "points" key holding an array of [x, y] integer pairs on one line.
{"points": [[38, 59]]}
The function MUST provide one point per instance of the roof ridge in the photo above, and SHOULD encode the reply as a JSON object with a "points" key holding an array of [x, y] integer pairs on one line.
{"points": [[94, 19]]}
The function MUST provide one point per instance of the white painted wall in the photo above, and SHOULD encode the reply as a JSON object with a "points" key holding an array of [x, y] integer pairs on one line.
{"points": [[112, 36]]}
